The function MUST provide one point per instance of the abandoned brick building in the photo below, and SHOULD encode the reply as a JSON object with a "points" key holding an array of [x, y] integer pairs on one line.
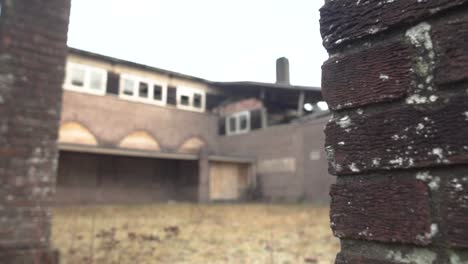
{"points": [[134, 133]]}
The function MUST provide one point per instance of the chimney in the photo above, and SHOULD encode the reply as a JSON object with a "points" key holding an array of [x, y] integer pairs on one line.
{"points": [[282, 71]]}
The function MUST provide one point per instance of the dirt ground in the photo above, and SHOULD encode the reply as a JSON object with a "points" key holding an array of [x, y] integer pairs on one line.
{"points": [[190, 233]]}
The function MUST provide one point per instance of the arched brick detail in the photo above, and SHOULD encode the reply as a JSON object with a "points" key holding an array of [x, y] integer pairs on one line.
{"points": [[192, 145], [140, 140], [76, 133]]}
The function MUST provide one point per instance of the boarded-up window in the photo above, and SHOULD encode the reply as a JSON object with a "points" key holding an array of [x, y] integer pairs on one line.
{"points": [[172, 95], [256, 117], [228, 181], [113, 80], [280, 165]]}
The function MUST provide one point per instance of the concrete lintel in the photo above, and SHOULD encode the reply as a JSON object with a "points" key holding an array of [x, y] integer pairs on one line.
{"points": [[126, 152], [232, 159]]}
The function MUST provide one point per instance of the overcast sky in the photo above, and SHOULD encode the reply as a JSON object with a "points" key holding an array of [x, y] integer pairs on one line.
{"points": [[219, 40]]}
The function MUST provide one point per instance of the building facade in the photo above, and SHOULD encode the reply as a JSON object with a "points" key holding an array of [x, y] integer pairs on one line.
{"points": [[134, 133]]}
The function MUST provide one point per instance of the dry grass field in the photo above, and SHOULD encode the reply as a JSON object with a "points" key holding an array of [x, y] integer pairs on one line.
{"points": [[189, 233]]}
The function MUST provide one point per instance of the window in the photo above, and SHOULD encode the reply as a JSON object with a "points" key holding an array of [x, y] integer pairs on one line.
{"points": [[190, 99], [157, 92], [83, 78], [96, 81], [243, 122], [143, 90], [138, 89], [238, 123], [184, 100], [128, 87], [197, 100], [77, 77], [233, 124]]}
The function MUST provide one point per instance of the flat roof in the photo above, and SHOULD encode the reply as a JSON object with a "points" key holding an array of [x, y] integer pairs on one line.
{"points": [[268, 85]]}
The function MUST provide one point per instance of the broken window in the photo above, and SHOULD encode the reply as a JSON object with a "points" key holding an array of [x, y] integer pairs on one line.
{"points": [[157, 92], [185, 100], [113, 80], [197, 100], [143, 90], [83, 78]]}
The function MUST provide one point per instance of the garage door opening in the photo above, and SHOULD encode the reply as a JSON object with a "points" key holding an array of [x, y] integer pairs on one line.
{"points": [[87, 178]]}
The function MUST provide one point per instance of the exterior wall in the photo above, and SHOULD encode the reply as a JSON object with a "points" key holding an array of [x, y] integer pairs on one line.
{"points": [[111, 119], [315, 167], [287, 165], [32, 54], [111, 122], [117, 179], [399, 138]]}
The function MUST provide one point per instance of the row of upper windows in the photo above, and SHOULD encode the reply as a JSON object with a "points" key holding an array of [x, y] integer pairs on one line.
{"points": [[83, 78]]}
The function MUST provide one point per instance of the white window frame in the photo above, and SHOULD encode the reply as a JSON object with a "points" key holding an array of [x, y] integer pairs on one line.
{"points": [[86, 88], [136, 91], [238, 130], [190, 93]]}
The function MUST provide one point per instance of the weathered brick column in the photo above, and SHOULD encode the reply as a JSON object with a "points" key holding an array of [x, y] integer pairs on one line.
{"points": [[397, 82], [33, 37]]}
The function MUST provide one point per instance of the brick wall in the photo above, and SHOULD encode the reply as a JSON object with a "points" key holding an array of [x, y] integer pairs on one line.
{"points": [[32, 54], [287, 169], [397, 81], [111, 119]]}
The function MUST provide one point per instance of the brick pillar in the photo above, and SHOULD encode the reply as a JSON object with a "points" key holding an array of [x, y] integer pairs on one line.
{"points": [[33, 36], [204, 177], [397, 82]]}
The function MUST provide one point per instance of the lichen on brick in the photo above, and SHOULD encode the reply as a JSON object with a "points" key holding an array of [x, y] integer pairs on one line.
{"points": [[416, 256], [423, 64]]}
